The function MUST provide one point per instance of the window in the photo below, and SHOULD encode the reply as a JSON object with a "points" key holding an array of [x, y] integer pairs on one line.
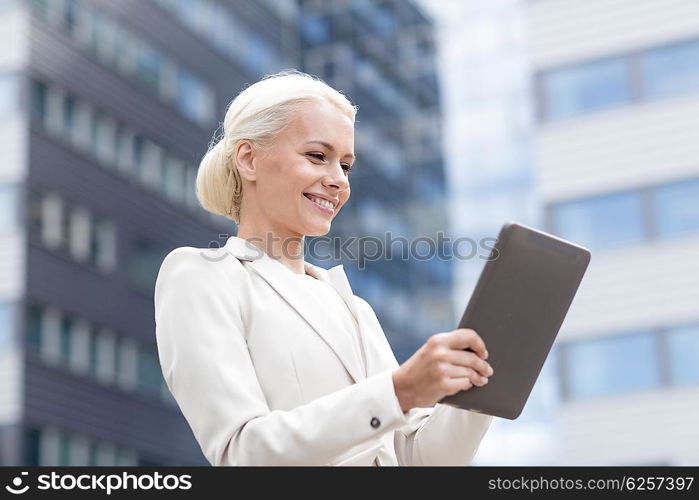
{"points": [[123, 140], [676, 207], [34, 327], [105, 355], [126, 363], [43, 8], [66, 338], [80, 229], [64, 445], [103, 140], [611, 365], [601, 222], [314, 28], [69, 113], [93, 354], [138, 156], [69, 14], [146, 257], [103, 38], [194, 99], [6, 325], [149, 375], [39, 101], [103, 244], [79, 360], [151, 173], [587, 87], [8, 207], [105, 454], [32, 440], [683, 347], [670, 70], [190, 192], [173, 172], [8, 94], [149, 65]]}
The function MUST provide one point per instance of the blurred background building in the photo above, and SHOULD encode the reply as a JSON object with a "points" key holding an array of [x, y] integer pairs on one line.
{"points": [[617, 169], [488, 137], [609, 153], [382, 55], [107, 109], [574, 117]]}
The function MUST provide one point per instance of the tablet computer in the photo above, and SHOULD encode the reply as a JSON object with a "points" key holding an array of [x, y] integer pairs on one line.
{"points": [[519, 303]]}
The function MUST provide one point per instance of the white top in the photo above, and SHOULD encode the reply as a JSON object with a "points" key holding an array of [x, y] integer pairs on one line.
{"points": [[333, 302]]}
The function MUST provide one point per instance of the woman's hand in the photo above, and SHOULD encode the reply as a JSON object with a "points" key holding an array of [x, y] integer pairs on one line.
{"points": [[441, 367]]}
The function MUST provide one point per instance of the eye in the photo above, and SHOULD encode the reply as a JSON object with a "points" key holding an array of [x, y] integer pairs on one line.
{"points": [[321, 157]]}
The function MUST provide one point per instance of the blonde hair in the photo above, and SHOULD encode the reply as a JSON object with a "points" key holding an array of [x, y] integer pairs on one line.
{"points": [[258, 113]]}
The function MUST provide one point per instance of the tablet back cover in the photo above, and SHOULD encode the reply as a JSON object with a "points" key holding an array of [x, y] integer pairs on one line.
{"points": [[517, 307]]}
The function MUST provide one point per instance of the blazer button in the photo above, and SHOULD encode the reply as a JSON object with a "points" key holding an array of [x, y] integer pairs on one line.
{"points": [[375, 423]]}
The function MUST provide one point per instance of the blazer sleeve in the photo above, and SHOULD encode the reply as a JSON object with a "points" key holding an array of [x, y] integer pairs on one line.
{"points": [[201, 339], [439, 435]]}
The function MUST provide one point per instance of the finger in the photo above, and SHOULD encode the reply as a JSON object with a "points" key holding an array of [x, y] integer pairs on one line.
{"points": [[471, 360], [463, 338], [455, 385], [457, 371]]}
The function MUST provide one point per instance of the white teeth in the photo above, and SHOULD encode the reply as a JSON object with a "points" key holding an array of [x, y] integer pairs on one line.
{"points": [[322, 202]]}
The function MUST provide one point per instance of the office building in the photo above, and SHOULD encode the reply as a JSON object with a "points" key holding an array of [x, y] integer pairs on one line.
{"points": [[617, 169], [107, 108], [382, 55]]}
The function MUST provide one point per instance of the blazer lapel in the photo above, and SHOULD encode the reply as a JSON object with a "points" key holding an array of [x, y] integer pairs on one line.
{"points": [[338, 279], [324, 324]]}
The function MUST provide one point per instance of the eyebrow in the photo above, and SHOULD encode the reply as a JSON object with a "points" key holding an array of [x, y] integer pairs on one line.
{"points": [[330, 147]]}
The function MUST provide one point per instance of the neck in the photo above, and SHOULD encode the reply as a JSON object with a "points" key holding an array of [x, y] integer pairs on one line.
{"points": [[285, 247]]}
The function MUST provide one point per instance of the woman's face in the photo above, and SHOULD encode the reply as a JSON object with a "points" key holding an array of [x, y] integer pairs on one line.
{"points": [[309, 159]]}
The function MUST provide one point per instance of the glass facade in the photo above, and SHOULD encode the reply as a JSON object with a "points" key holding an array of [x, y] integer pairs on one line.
{"points": [[604, 221], [56, 447], [115, 146], [8, 208], [6, 325], [670, 70], [629, 362], [589, 87], [683, 353], [132, 56], [629, 217], [146, 256], [66, 227], [225, 32], [665, 71], [89, 349], [9, 93], [676, 208], [360, 48], [612, 365]]}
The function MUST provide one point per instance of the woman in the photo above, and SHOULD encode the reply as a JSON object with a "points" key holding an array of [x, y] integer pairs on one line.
{"points": [[272, 360]]}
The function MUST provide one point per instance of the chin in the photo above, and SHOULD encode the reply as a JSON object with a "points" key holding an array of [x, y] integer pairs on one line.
{"points": [[318, 231]]}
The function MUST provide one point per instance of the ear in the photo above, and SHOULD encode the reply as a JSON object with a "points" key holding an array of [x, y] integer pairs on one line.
{"points": [[244, 156]]}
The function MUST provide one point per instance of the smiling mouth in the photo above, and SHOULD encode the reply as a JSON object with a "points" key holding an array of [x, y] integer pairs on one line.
{"points": [[320, 201]]}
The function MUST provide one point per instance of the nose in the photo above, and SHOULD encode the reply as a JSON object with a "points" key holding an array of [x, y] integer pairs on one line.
{"points": [[337, 177]]}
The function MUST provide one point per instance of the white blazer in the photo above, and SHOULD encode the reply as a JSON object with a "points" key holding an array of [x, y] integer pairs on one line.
{"points": [[262, 379]]}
